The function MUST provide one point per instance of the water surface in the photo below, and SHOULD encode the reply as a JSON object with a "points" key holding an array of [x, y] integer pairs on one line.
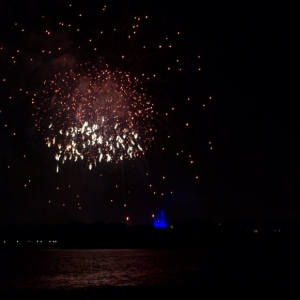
{"points": [[69, 269]]}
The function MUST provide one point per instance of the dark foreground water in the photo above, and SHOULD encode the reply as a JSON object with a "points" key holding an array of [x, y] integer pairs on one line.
{"points": [[69, 269], [102, 274]]}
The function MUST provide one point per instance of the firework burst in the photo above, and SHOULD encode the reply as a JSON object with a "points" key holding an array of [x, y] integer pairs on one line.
{"points": [[96, 114]]}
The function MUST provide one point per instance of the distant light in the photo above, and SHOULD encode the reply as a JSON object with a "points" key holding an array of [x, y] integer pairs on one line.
{"points": [[160, 221]]}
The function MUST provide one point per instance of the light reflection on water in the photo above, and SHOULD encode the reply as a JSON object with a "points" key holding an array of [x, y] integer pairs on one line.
{"points": [[67, 269]]}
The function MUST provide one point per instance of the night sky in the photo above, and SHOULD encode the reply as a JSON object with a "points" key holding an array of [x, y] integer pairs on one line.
{"points": [[232, 85]]}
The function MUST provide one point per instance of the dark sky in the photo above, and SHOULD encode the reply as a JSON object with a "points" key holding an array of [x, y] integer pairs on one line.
{"points": [[247, 57]]}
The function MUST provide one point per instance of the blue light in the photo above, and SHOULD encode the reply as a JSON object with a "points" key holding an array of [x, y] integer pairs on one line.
{"points": [[160, 221]]}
